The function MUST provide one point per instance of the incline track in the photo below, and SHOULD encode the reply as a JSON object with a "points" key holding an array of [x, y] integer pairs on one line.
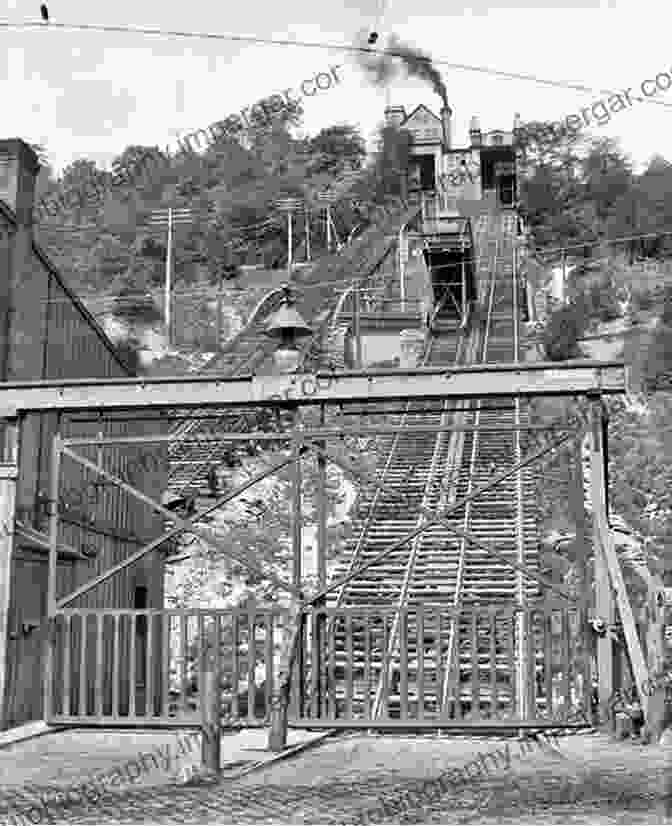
{"points": [[431, 471]]}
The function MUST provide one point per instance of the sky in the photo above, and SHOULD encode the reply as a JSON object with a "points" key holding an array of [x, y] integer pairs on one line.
{"points": [[90, 94]]}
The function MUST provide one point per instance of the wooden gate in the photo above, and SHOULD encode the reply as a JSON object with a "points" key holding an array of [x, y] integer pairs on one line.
{"points": [[357, 667], [389, 669]]}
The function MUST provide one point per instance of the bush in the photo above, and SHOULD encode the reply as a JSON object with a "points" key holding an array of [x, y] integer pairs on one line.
{"points": [[129, 352], [563, 331], [136, 305]]}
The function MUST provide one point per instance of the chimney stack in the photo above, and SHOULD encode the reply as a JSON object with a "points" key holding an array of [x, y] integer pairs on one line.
{"points": [[475, 132], [394, 116], [19, 166], [446, 114]]}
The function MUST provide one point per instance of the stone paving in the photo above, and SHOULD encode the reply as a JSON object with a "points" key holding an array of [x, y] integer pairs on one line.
{"points": [[588, 779]]}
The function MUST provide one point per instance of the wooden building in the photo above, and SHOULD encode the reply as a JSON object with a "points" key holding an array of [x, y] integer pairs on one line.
{"points": [[47, 333], [483, 171]]}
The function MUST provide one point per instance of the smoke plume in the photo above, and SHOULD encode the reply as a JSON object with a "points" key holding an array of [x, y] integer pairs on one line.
{"points": [[382, 67]]}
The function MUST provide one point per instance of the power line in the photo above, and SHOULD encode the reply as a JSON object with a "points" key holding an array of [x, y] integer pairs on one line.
{"points": [[563, 84]]}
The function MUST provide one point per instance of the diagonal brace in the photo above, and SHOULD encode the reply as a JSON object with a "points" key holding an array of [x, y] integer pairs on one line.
{"points": [[181, 525], [432, 522]]}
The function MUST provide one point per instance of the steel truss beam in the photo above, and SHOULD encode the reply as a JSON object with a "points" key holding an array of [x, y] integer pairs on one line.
{"points": [[474, 381], [304, 435], [181, 525]]}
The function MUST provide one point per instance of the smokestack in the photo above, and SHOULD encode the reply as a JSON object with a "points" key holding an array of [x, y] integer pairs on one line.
{"points": [[475, 132], [19, 166], [446, 113]]}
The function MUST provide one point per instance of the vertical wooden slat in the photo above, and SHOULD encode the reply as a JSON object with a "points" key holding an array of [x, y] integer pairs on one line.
{"points": [[151, 665], [548, 658], [98, 689], [217, 656], [349, 666], [421, 661], [131, 665], [268, 665], [566, 661], [251, 657], [165, 664], [235, 664], [438, 656], [82, 667], [457, 663], [512, 624], [367, 666], [331, 667], [116, 630], [494, 707], [475, 675], [531, 667], [385, 676], [315, 663], [403, 663], [201, 658], [67, 642], [183, 662]]}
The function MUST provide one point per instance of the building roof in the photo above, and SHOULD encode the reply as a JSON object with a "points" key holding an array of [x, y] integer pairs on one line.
{"points": [[10, 215]]}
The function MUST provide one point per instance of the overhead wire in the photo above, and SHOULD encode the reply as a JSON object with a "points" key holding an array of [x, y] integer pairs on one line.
{"points": [[7, 25]]}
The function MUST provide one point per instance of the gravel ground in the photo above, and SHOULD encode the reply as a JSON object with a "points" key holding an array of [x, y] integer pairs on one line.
{"points": [[586, 779]]}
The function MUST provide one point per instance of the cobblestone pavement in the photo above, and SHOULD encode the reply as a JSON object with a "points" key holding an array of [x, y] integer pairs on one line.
{"points": [[589, 780]]}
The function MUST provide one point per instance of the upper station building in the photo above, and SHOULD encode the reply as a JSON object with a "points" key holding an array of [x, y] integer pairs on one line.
{"points": [[483, 171]]}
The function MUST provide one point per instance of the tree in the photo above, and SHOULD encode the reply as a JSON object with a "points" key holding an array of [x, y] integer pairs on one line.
{"points": [[134, 304], [336, 148]]}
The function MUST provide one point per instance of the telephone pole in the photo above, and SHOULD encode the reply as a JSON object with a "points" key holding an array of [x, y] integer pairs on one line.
{"points": [[167, 218], [289, 205]]}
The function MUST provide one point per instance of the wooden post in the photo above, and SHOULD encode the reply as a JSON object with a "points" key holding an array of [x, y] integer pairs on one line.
{"points": [[604, 606], [578, 510], [8, 478], [277, 739], [211, 731], [357, 326], [297, 573], [322, 508]]}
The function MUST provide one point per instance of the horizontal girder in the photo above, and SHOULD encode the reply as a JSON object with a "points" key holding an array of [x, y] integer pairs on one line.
{"points": [[477, 381]]}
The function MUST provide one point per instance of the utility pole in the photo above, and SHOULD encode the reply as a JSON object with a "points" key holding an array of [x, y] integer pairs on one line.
{"points": [[289, 205], [168, 217], [307, 215]]}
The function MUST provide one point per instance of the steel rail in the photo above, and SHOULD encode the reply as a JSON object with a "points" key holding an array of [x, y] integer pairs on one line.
{"points": [[416, 545], [461, 565]]}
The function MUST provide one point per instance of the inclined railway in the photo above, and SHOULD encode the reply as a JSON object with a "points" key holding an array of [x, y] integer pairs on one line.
{"points": [[420, 475]]}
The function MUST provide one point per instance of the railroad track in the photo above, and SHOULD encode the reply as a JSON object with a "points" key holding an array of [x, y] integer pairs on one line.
{"points": [[438, 568]]}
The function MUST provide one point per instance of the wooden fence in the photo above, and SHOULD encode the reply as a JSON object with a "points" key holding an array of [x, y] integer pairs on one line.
{"points": [[355, 665]]}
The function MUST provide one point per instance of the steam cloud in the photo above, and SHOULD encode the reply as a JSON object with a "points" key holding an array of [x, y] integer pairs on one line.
{"points": [[380, 68]]}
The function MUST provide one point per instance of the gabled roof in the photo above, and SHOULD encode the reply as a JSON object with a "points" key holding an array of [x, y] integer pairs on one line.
{"points": [[417, 109], [78, 303]]}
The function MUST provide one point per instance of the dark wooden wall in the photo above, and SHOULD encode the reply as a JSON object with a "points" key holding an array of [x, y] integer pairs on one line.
{"points": [[54, 337]]}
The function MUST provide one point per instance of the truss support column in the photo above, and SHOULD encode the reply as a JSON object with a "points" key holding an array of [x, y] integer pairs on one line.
{"points": [[604, 604], [577, 505], [49, 638], [297, 567], [8, 479], [322, 508]]}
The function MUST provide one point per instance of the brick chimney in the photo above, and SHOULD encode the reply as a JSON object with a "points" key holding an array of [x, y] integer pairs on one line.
{"points": [[19, 166], [394, 115], [446, 114], [475, 132]]}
